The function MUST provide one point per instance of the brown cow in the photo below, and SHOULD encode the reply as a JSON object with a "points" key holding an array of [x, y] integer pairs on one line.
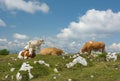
{"points": [[51, 51], [25, 54], [93, 45]]}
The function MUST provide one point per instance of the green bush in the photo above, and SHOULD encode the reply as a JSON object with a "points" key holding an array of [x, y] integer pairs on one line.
{"points": [[102, 57], [4, 52]]}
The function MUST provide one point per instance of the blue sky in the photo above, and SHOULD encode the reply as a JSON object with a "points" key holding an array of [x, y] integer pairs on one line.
{"points": [[65, 24]]}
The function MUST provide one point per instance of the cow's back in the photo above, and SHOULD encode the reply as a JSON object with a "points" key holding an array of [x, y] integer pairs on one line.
{"points": [[51, 51], [87, 46], [45, 51], [98, 45], [93, 45]]}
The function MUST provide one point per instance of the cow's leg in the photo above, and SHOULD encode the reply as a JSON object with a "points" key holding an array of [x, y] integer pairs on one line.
{"points": [[25, 55], [103, 49], [89, 53], [37, 50]]}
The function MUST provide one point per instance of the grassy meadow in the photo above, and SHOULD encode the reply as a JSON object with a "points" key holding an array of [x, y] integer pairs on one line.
{"points": [[97, 70]]}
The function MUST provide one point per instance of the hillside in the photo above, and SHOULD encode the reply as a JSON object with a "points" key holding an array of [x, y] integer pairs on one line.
{"points": [[96, 70]]}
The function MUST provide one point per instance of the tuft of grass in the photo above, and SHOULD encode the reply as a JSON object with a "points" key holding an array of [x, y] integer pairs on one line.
{"points": [[25, 76], [40, 70]]}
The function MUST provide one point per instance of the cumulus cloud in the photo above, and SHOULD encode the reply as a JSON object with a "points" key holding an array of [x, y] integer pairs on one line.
{"points": [[3, 40], [12, 45], [27, 6], [115, 47], [69, 46], [2, 23], [93, 24], [20, 36]]}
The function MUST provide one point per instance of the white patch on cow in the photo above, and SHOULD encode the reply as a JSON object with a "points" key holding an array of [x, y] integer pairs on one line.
{"points": [[35, 45], [112, 56], [19, 55], [90, 42], [26, 47], [30, 51], [79, 59], [25, 57]]}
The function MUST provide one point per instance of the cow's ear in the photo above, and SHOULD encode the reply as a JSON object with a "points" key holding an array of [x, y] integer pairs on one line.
{"points": [[29, 43]]}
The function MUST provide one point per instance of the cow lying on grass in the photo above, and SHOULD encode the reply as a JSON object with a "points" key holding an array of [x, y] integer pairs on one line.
{"points": [[34, 45], [93, 46], [51, 51], [26, 54]]}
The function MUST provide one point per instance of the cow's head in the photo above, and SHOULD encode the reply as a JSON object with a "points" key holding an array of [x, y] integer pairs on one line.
{"points": [[31, 51], [62, 52], [42, 41], [83, 50]]}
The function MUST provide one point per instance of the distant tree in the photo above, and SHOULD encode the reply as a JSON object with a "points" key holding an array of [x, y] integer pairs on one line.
{"points": [[4, 52]]}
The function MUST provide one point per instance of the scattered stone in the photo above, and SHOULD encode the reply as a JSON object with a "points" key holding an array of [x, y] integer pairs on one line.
{"points": [[12, 69], [55, 70], [91, 76], [69, 79]]}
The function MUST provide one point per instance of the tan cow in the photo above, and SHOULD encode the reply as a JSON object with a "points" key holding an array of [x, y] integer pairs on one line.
{"points": [[93, 45], [51, 51]]}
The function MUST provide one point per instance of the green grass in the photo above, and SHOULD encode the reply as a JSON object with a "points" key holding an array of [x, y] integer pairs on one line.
{"points": [[97, 70]]}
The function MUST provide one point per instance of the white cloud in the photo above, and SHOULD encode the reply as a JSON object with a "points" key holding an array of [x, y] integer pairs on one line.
{"points": [[44, 7], [93, 24], [2, 23], [3, 40], [27, 6], [115, 47], [20, 36], [66, 45], [12, 45]]}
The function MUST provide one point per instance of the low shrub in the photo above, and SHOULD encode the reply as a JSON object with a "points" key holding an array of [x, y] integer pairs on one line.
{"points": [[4, 52], [102, 57]]}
